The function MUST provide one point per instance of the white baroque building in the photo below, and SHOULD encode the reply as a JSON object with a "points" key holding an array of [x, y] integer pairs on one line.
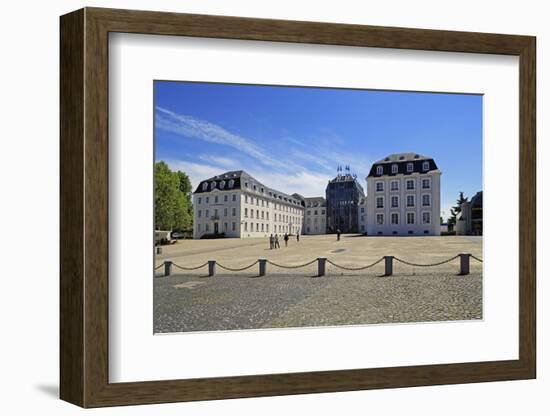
{"points": [[403, 196], [315, 216], [238, 205], [362, 215]]}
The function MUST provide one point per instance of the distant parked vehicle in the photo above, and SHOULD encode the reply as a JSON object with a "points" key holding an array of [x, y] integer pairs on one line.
{"points": [[163, 238]]}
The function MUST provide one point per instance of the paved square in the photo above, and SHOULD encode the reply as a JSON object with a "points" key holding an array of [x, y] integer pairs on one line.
{"points": [[191, 301]]}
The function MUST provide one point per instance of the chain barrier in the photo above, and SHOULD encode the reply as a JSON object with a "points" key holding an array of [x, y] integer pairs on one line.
{"points": [[291, 267], [238, 269], [189, 268], [476, 258], [159, 266], [356, 268], [426, 265]]}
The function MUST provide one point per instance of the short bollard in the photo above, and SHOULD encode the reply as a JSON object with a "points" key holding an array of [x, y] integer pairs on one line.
{"points": [[263, 265], [159, 250], [321, 265], [211, 268], [464, 264], [388, 265], [167, 268]]}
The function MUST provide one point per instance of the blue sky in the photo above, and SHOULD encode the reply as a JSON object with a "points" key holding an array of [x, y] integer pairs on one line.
{"points": [[293, 139]]}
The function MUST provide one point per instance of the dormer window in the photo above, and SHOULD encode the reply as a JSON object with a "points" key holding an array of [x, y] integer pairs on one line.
{"points": [[204, 186], [379, 170], [212, 185], [410, 167], [393, 168], [425, 166], [231, 183], [222, 184], [246, 184]]}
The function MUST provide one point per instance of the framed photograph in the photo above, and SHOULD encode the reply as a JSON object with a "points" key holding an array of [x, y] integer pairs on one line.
{"points": [[255, 207]]}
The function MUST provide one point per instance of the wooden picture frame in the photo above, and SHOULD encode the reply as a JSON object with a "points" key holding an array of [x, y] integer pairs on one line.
{"points": [[84, 207]]}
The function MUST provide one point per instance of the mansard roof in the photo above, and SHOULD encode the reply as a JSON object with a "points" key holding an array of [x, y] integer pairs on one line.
{"points": [[239, 179], [402, 160]]}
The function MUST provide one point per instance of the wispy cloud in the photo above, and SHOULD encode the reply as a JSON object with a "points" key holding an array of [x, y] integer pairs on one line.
{"points": [[224, 162], [189, 126]]}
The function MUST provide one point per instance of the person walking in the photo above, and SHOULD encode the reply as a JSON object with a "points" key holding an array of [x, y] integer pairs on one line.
{"points": [[277, 245], [286, 240], [271, 242], [338, 232], [298, 237]]}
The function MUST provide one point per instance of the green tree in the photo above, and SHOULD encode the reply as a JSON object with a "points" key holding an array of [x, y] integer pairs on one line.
{"points": [[173, 207], [457, 208]]}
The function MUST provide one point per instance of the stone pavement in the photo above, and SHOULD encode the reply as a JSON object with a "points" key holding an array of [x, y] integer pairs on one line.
{"points": [[189, 301]]}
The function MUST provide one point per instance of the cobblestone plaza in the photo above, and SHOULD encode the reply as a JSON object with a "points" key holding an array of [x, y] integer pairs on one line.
{"points": [[191, 301]]}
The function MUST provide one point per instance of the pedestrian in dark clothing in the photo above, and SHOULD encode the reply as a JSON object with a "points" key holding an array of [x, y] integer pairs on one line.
{"points": [[271, 242], [277, 245], [338, 232], [298, 237], [286, 240]]}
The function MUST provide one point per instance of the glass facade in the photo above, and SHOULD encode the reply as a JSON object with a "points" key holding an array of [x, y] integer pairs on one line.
{"points": [[343, 194]]}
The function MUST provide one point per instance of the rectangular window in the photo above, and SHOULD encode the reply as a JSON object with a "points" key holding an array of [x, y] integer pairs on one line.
{"points": [[395, 218], [246, 199], [425, 166], [233, 226], [225, 226], [394, 185], [246, 212], [393, 168], [362, 210], [379, 202], [246, 226], [216, 199], [426, 200], [225, 212], [207, 227], [200, 200], [262, 227], [315, 213], [395, 202], [380, 219], [198, 227], [323, 212], [410, 167], [199, 212], [257, 227], [426, 183], [410, 200], [234, 211], [426, 218], [262, 215], [267, 215], [225, 198], [206, 214], [267, 227], [216, 212], [234, 197], [379, 186], [410, 217], [410, 184], [207, 199]]}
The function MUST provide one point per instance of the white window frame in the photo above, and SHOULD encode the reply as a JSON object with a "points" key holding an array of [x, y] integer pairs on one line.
{"points": [[425, 166], [391, 218], [429, 200], [429, 183], [395, 181], [413, 217], [379, 198], [413, 201], [407, 184], [379, 170], [391, 201], [429, 217], [394, 168], [379, 216], [410, 167], [381, 183]]}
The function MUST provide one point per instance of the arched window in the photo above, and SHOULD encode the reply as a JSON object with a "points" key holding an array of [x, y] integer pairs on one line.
{"points": [[231, 183], [222, 184], [393, 168], [204, 186], [212, 185], [379, 170]]}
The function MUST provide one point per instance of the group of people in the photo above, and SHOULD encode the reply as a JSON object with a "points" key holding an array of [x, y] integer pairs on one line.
{"points": [[274, 240]]}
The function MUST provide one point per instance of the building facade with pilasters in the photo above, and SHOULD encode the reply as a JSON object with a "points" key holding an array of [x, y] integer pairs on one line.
{"points": [[404, 196], [235, 204]]}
